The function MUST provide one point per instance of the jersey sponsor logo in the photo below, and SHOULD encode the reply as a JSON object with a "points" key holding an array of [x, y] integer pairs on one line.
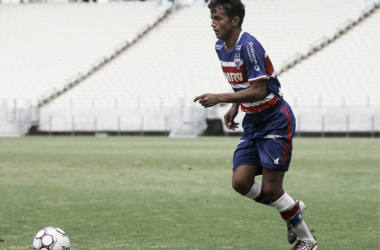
{"points": [[251, 53], [234, 77], [218, 47], [238, 47]]}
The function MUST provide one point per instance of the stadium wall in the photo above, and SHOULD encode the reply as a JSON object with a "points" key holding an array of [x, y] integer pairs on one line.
{"points": [[318, 121], [321, 121], [139, 120]]}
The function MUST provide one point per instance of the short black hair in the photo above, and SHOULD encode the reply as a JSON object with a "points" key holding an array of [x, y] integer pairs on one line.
{"points": [[231, 7]]}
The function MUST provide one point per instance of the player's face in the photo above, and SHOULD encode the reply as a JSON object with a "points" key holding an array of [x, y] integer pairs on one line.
{"points": [[221, 24]]}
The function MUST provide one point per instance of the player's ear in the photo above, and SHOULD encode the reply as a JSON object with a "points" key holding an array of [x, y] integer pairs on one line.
{"points": [[236, 21]]}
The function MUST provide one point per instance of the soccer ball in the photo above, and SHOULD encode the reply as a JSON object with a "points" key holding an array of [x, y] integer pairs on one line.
{"points": [[51, 238]]}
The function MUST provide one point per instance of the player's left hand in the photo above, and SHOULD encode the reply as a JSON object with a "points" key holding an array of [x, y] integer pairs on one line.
{"points": [[207, 100]]}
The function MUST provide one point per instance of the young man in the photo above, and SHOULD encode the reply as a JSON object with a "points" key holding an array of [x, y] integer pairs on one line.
{"points": [[266, 144]]}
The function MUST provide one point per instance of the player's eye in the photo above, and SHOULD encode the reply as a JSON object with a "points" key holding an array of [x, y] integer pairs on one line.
{"points": [[216, 18]]}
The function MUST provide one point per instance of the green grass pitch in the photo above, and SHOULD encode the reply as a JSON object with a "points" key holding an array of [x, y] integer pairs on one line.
{"points": [[161, 193]]}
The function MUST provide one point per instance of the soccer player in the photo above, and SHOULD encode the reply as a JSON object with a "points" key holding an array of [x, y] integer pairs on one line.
{"points": [[265, 147]]}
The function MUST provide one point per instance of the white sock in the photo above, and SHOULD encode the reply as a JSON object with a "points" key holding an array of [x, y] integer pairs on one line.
{"points": [[289, 211], [257, 195], [255, 191]]}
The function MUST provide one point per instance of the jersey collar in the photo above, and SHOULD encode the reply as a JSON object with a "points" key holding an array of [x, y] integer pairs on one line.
{"points": [[240, 35]]}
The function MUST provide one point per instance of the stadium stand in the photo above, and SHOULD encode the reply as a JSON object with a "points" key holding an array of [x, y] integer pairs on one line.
{"points": [[47, 48], [156, 78], [44, 45], [166, 46], [333, 77]]}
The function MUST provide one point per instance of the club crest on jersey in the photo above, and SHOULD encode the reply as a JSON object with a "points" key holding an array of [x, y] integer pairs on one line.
{"points": [[238, 61]]}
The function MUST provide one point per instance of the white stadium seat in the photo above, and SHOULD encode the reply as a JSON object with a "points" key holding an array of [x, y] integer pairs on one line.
{"points": [[43, 45]]}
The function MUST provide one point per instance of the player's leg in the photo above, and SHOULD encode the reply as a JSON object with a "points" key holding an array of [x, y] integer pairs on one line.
{"points": [[286, 205], [243, 178], [243, 181], [246, 167], [275, 151], [272, 184]]}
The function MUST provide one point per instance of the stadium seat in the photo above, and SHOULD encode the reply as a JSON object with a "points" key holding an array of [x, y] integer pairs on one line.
{"points": [[43, 45]]}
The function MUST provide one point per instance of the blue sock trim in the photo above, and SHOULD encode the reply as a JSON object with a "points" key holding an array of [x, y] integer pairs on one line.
{"points": [[296, 220]]}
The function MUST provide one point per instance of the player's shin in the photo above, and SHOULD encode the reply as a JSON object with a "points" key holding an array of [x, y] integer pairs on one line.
{"points": [[291, 213], [256, 193]]}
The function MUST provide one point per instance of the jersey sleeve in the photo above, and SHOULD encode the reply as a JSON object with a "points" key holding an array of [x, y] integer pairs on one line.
{"points": [[253, 55]]}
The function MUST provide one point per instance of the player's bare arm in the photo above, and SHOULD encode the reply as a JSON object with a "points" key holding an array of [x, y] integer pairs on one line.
{"points": [[256, 92]]}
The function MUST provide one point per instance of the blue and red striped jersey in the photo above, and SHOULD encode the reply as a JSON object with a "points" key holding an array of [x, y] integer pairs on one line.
{"points": [[248, 62]]}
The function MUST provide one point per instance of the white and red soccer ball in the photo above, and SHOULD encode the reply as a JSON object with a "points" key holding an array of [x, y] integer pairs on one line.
{"points": [[51, 238]]}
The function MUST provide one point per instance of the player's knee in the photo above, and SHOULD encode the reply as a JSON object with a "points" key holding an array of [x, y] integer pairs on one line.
{"points": [[241, 186], [272, 192], [268, 190]]}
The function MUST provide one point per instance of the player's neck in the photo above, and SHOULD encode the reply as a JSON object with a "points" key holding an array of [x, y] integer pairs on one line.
{"points": [[230, 43]]}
